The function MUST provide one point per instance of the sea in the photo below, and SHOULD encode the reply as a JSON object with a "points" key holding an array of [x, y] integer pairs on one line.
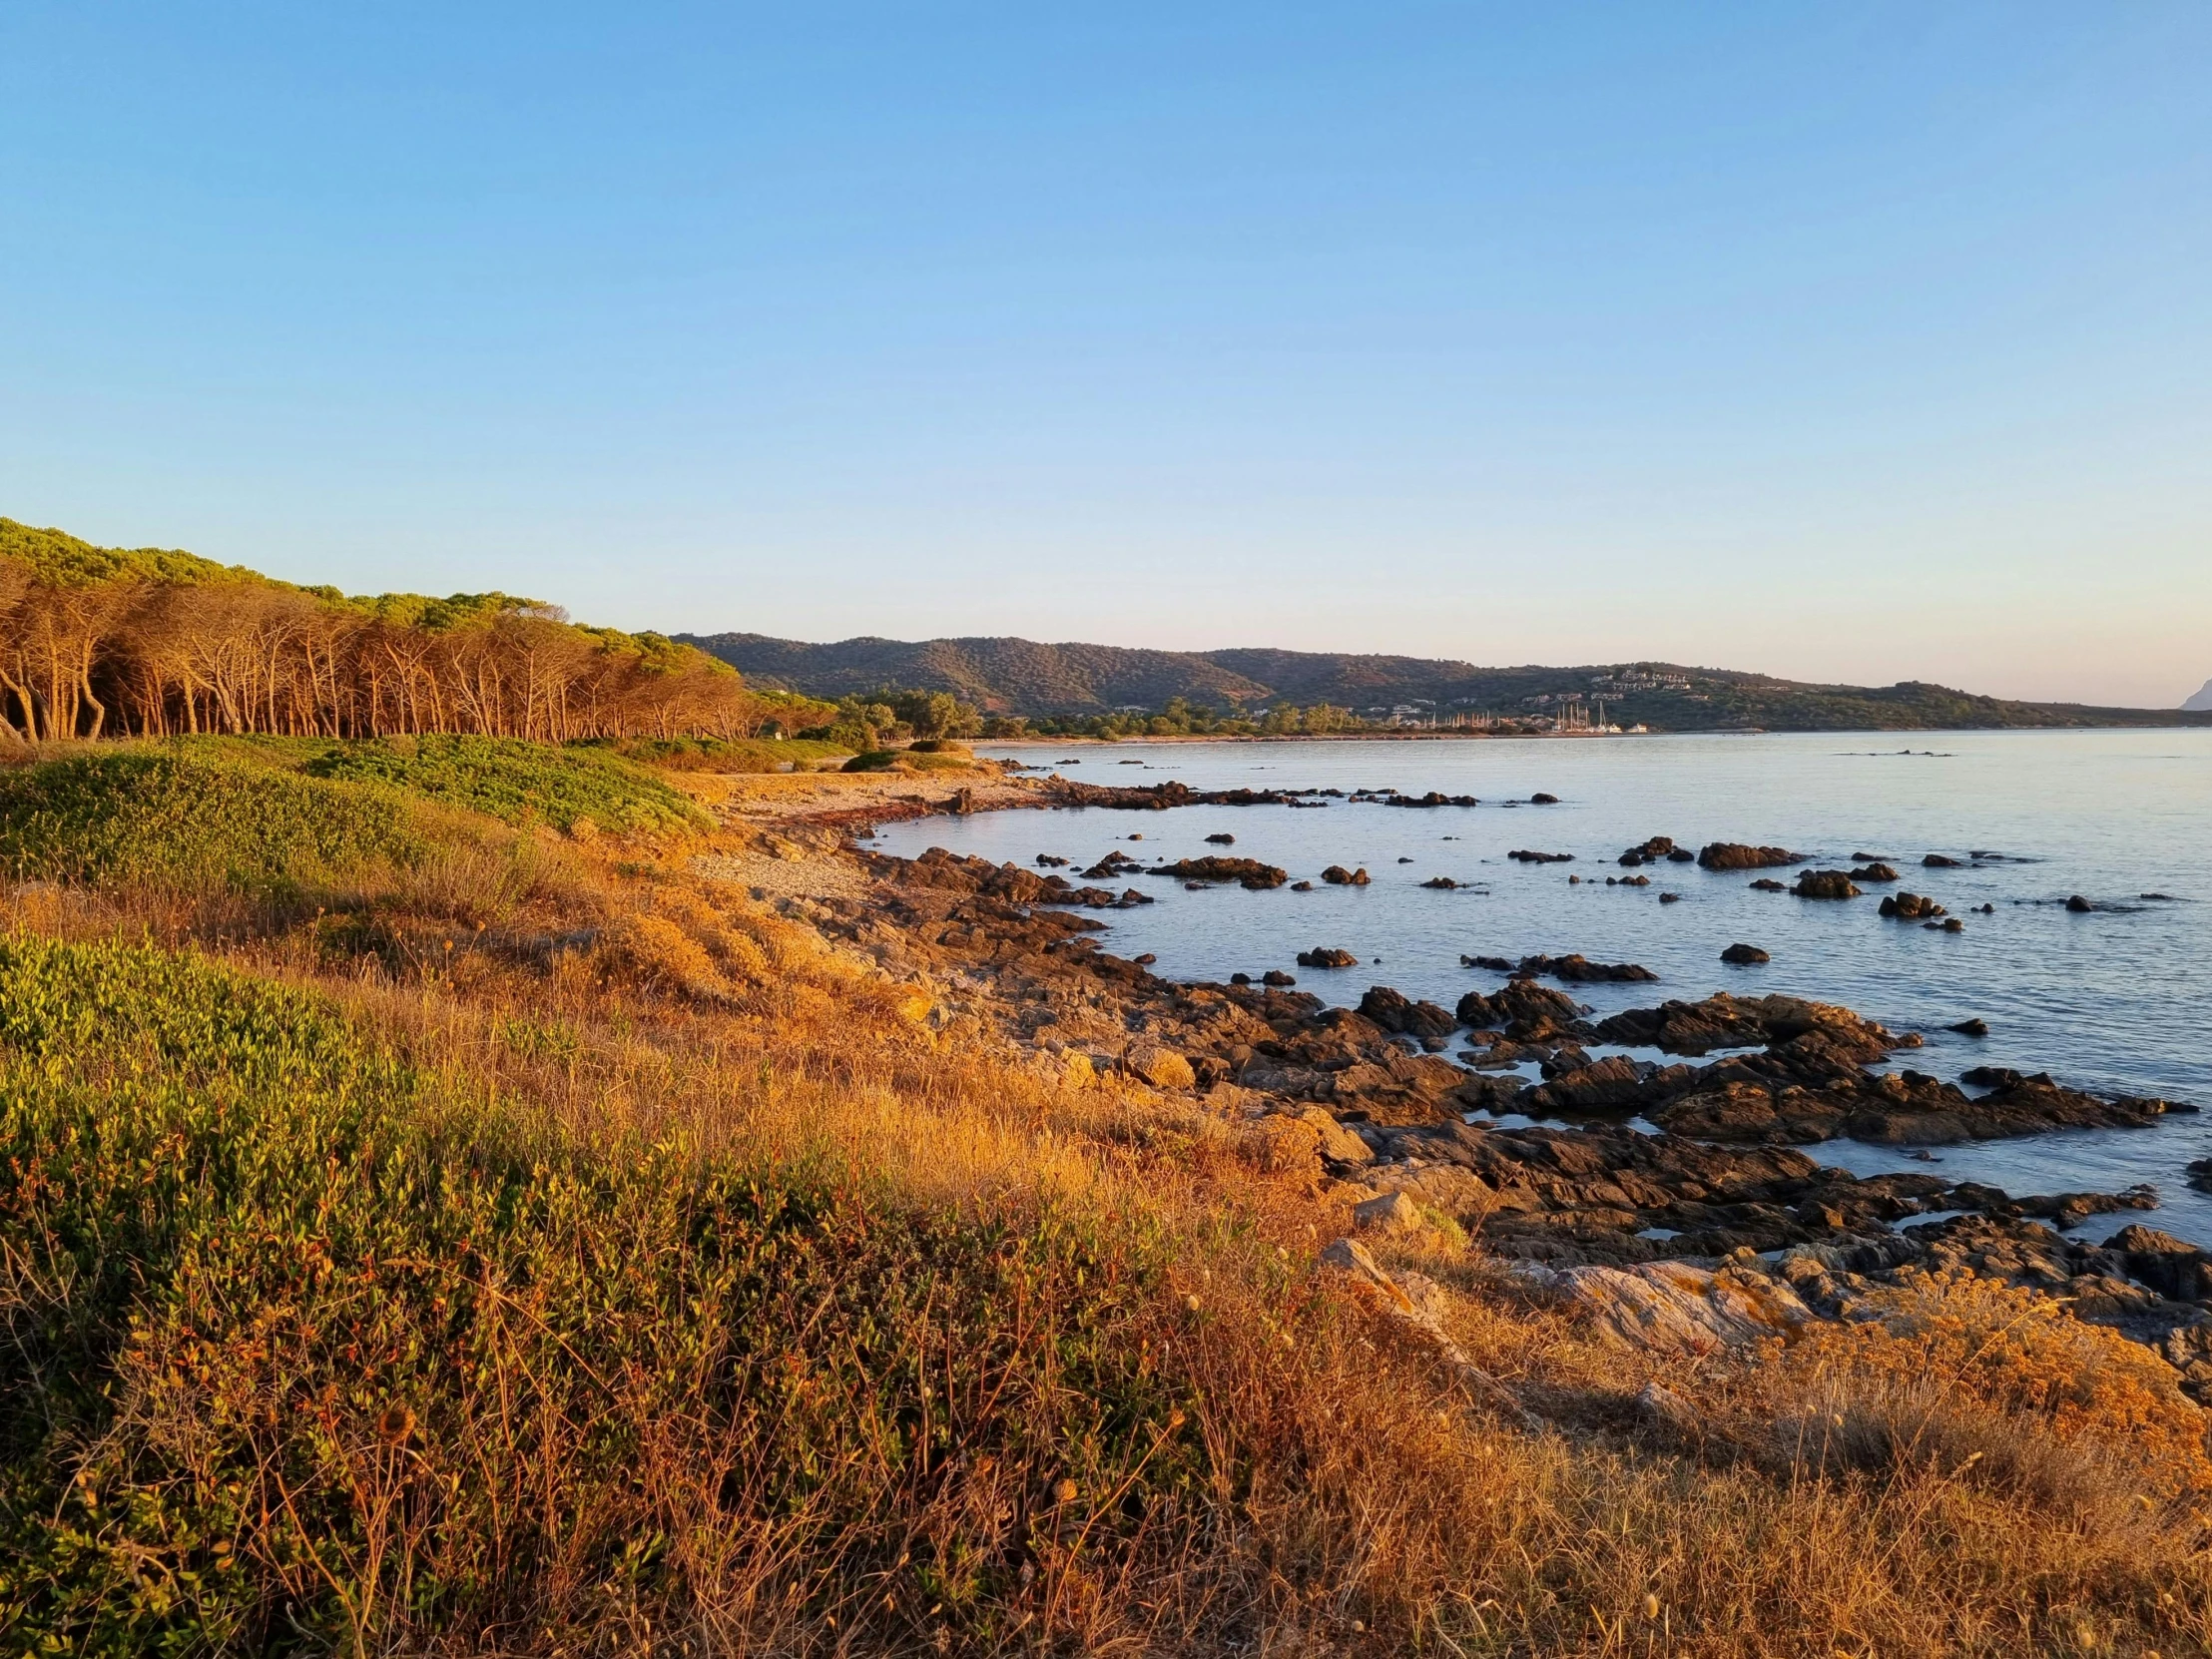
{"points": [[2116, 999]]}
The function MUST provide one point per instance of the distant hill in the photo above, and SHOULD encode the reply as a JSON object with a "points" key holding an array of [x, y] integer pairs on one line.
{"points": [[2202, 701], [1016, 676]]}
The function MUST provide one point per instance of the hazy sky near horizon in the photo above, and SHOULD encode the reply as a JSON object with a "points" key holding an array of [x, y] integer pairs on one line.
{"points": [[1850, 343]]}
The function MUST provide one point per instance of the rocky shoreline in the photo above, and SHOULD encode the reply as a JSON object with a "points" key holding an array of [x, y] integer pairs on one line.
{"points": [[1668, 1196]]}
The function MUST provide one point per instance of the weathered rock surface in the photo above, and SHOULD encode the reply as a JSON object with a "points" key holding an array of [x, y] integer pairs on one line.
{"points": [[1574, 970], [1738, 856], [1825, 883], [1338, 877], [1249, 874], [1323, 956], [1671, 1307], [1522, 1009], [1744, 955], [1910, 907]]}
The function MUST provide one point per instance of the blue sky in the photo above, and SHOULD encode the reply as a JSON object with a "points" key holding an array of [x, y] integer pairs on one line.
{"points": [[1859, 342]]}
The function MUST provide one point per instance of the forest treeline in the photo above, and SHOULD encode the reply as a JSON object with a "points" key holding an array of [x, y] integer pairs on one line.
{"points": [[146, 642]]}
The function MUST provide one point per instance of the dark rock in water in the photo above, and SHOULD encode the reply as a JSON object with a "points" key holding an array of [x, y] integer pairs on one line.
{"points": [[1431, 799], [1910, 907], [1397, 1013], [1223, 839], [1935, 860], [2200, 1174], [1050, 863], [1682, 855], [1131, 899], [1670, 899], [1577, 969], [2079, 905], [1278, 978], [1952, 925], [1301, 887], [1443, 884], [1628, 881], [1650, 853], [1113, 864], [1744, 955], [1874, 872], [1738, 856], [1338, 877], [1825, 883], [1524, 855], [1523, 1010], [1768, 885], [1970, 1028], [2159, 897], [1405, 861], [1245, 872], [1539, 799], [1146, 960], [1322, 958], [1239, 979]]}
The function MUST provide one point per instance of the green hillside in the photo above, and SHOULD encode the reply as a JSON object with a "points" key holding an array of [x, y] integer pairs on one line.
{"points": [[1022, 677]]}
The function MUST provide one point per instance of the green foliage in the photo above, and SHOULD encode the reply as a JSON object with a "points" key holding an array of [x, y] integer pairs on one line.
{"points": [[310, 1349], [516, 781], [61, 561], [740, 754], [909, 759], [196, 819]]}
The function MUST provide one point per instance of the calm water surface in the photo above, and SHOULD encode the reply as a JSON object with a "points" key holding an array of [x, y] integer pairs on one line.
{"points": [[2118, 1001]]}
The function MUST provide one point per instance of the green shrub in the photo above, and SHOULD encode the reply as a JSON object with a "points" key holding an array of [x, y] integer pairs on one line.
{"points": [[192, 820], [740, 754], [516, 781], [310, 1349]]}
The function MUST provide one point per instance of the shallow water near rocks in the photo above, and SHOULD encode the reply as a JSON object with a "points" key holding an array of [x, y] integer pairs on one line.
{"points": [[2118, 1000]]}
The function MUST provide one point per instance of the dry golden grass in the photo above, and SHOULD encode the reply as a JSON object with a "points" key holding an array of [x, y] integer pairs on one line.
{"points": [[1971, 1478]]}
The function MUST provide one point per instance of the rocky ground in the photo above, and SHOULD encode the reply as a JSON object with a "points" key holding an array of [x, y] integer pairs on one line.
{"points": [[1671, 1199]]}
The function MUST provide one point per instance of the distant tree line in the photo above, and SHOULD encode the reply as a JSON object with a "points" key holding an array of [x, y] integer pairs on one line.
{"points": [[110, 641], [1179, 717]]}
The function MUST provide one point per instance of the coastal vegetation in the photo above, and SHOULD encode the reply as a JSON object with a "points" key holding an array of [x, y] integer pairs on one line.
{"points": [[601, 1260], [112, 642]]}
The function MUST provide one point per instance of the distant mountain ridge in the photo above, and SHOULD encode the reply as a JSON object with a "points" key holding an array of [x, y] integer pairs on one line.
{"points": [[1026, 677], [2202, 701]]}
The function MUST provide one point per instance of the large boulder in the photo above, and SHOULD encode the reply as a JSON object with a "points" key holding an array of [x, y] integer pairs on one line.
{"points": [[1321, 957], [1825, 883], [1250, 873], [1522, 1009], [1670, 1308], [1738, 856], [1427, 1023], [1159, 1065]]}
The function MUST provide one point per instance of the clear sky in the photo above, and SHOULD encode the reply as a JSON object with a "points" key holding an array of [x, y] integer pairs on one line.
{"points": [[1838, 341]]}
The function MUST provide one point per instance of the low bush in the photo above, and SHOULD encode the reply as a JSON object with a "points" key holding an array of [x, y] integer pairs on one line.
{"points": [[730, 754], [516, 781], [189, 821], [308, 1352]]}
